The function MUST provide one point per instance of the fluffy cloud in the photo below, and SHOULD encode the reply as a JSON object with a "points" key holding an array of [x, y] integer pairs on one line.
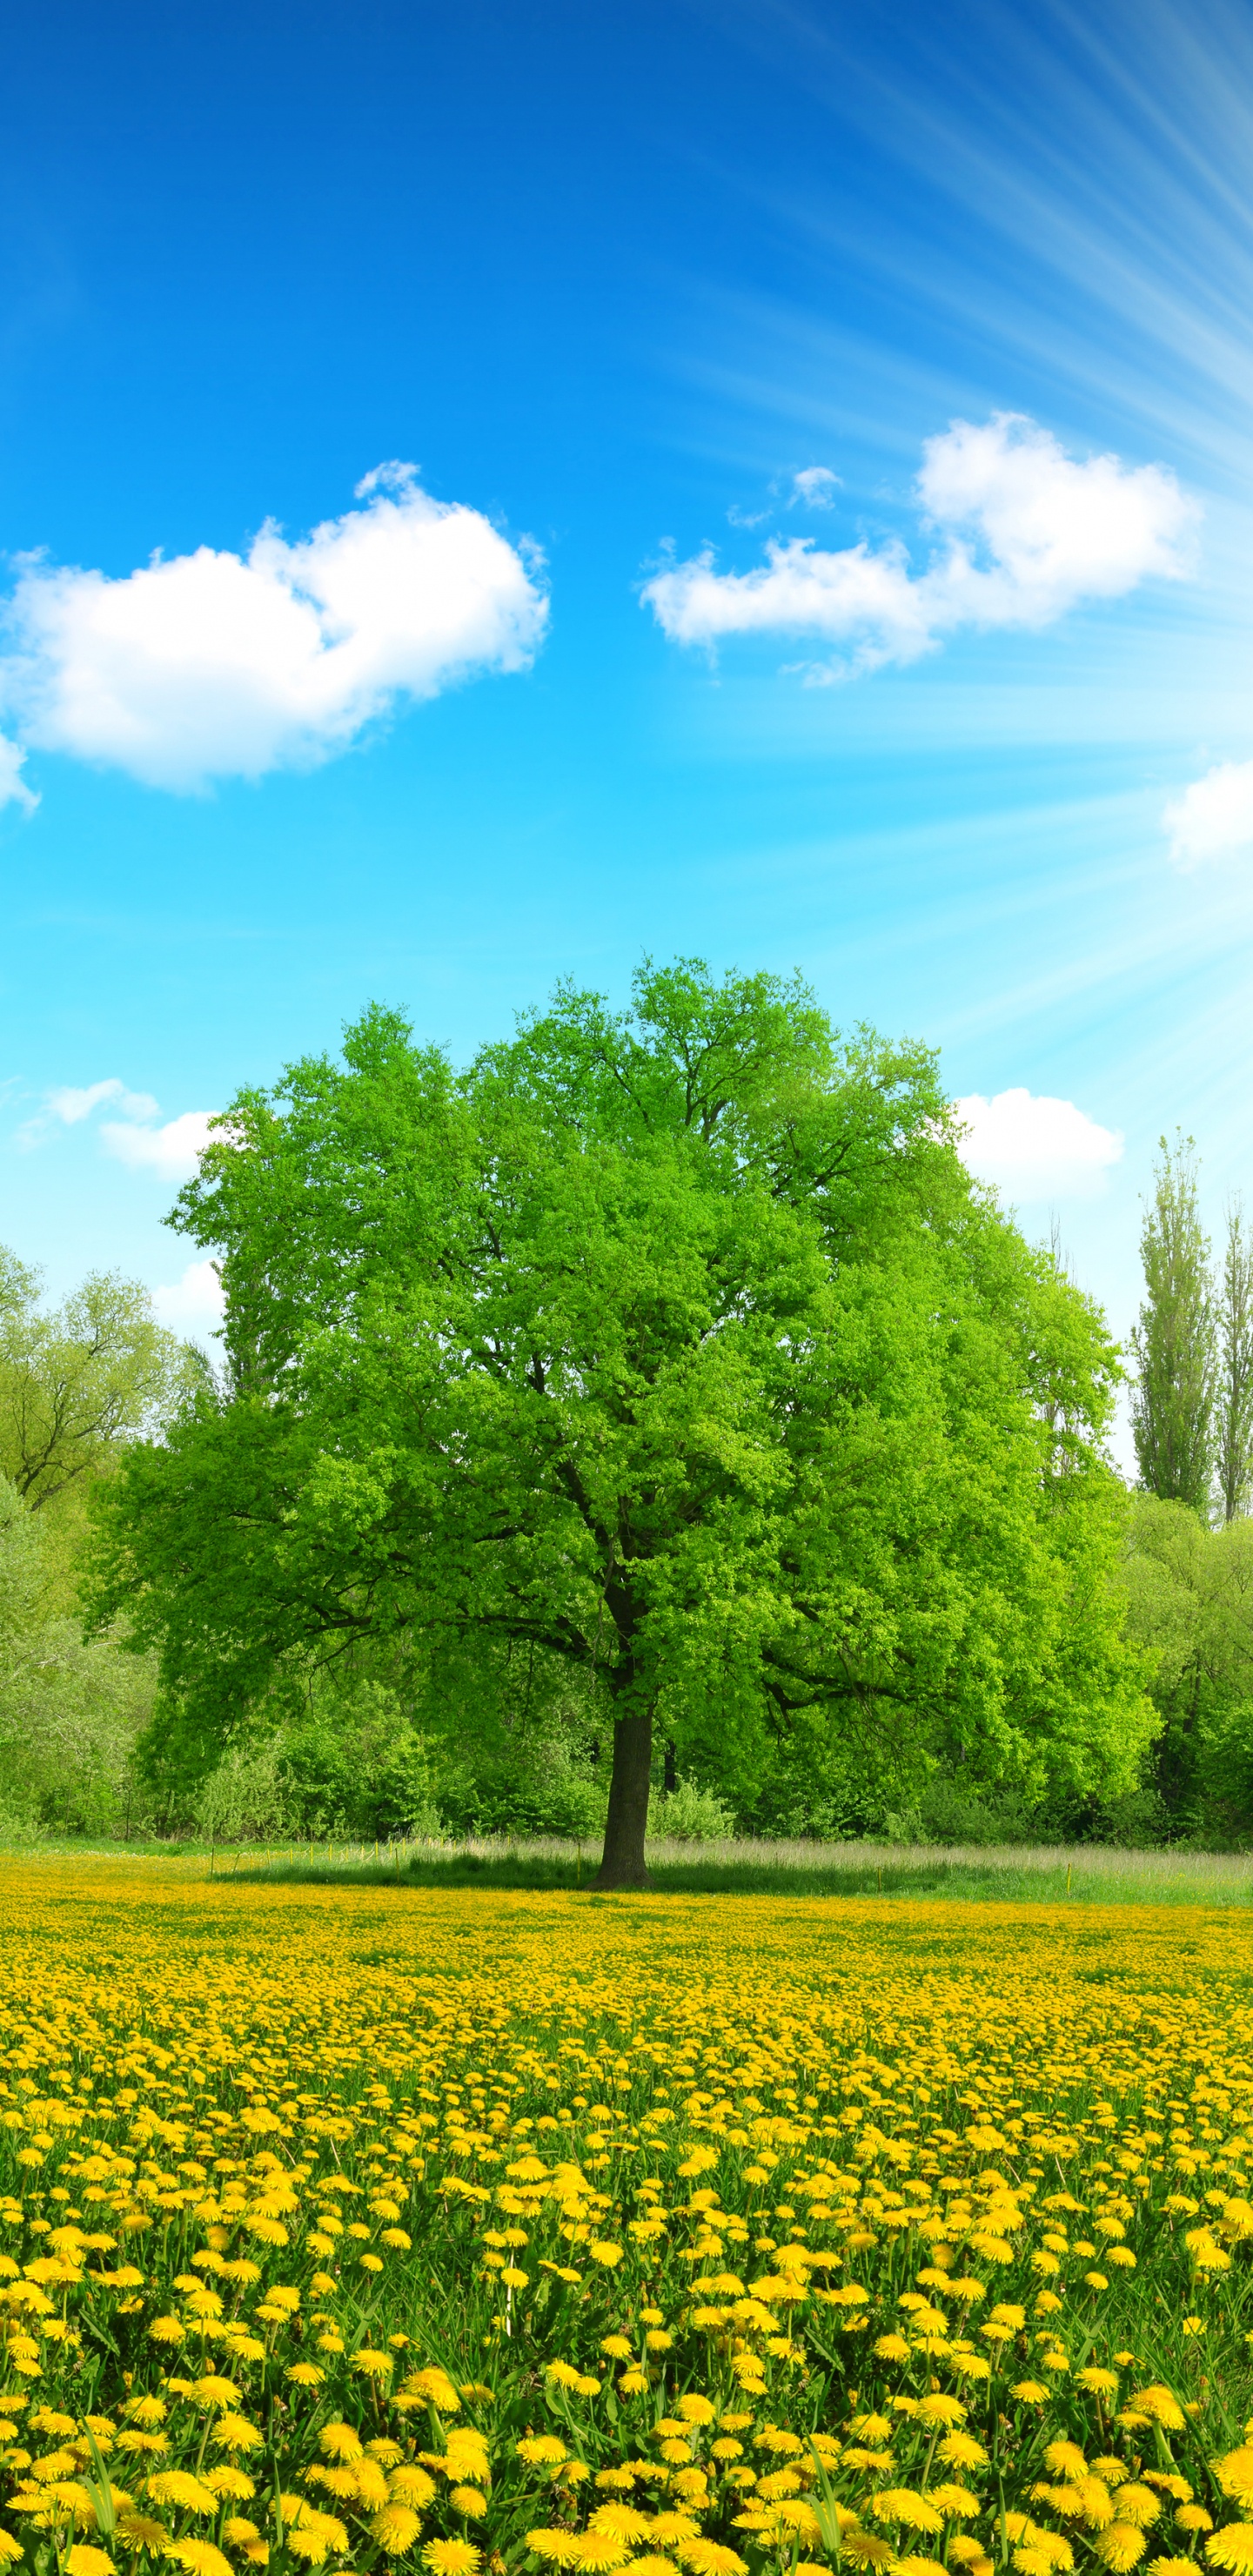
{"points": [[815, 487], [13, 787], [1213, 819], [68, 1105], [1035, 1147], [171, 1151], [1024, 532], [194, 1306], [218, 665]]}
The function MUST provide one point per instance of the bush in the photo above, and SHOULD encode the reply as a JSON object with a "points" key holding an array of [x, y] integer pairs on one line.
{"points": [[689, 1814]]}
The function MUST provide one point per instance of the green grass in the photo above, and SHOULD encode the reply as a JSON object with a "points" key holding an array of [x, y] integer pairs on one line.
{"points": [[1082, 1873], [1085, 1874]]}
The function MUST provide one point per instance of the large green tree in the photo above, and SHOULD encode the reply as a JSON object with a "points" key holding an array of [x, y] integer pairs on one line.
{"points": [[673, 1345]]}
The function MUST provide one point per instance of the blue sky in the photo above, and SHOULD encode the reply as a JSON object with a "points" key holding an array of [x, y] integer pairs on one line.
{"points": [[611, 280]]}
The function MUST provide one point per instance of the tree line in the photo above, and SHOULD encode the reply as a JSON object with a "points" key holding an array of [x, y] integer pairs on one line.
{"points": [[650, 1415]]}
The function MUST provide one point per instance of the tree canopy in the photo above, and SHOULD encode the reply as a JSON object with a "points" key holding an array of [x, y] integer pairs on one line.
{"points": [[673, 1347], [77, 1383]]}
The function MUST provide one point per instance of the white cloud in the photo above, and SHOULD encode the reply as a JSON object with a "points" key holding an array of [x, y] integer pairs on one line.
{"points": [[13, 787], [1025, 533], [815, 487], [171, 1151], [1213, 819], [1035, 1147], [217, 665], [70, 1105], [194, 1306], [67, 1105]]}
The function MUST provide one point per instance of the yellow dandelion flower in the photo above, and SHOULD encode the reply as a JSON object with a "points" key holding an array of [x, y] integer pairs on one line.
{"points": [[81, 2560], [899, 2504], [1121, 2546], [230, 2482], [621, 2521], [235, 2433], [1232, 2547], [395, 2527], [1161, 2408], [555, 2547], [470, 2501], [408, 2484], [452, 2558], [199, 2557], [179, 2488], [1234, 2473], [953, 2502], [1138, 2504], [961, 2451], [600, 2551]]}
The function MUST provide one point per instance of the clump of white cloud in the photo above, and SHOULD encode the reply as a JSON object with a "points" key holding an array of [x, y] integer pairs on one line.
{"points": [[1025, 532], [1035, 1147], [171, 1151], [67, 1105], [1213, 819], [194, 1305], [218, 665], [815, 487], [13, 787]]}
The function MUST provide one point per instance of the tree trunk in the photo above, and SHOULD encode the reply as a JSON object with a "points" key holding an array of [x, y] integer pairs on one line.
{"points": [[627, 1820]]}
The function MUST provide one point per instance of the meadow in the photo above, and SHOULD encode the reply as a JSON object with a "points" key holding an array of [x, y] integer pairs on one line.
{"points": [[355, 2225]]}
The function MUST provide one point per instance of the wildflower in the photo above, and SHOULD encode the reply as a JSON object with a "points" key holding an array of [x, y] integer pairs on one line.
{"points": [[199, 2557], [81, 2560], [1121, 2546], [452, 2558], [1232, 2547], [1138, 2504], [395, 2527], [953, 2501], [1161, 2408], [961, 2451], [1234, 2473], [235, 2433], [898, 2504], [179, 2488]]}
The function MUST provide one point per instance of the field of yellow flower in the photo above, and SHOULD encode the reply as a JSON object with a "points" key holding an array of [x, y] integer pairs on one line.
{"points": [[350, 2228]]}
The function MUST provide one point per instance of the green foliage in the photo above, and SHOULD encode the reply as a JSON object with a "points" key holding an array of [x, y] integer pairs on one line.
{"points": [[674, 1352], [1174, 1341], [70, 1712], [76, 1384], [1234, 1396], [1191, 1603]]}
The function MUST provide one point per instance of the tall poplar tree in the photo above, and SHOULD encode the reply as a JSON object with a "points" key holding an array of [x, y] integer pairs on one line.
{"points": [[1175, 1339], [1234, 1410]]}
